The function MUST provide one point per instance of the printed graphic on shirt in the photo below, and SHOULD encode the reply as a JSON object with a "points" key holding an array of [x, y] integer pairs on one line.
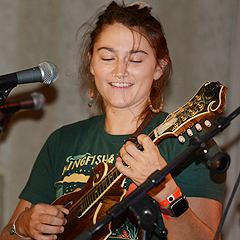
{"points": [[77, 171], [75, 175]]}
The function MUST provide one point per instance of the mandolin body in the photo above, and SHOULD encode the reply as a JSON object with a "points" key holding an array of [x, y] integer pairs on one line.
{"points": [[81, 217]]}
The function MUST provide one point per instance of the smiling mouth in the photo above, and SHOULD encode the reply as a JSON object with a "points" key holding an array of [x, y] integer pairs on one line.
{"points": [[120, 85]]}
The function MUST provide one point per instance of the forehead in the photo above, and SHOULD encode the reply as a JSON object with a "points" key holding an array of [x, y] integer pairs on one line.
{"points": [[118, 36]]}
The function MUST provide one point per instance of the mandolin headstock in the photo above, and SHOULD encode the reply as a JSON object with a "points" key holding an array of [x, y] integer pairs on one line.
{"points": [[209, 100]]}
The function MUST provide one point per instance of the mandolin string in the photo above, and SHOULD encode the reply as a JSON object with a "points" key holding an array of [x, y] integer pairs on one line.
{"points": [[84, 198]]}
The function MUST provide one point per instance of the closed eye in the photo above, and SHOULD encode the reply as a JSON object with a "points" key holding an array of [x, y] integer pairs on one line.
{"points": [[135, 61], [107, 59]]}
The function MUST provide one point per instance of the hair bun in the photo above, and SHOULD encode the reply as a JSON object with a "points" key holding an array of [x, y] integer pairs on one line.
{"points": [[141, 5]]}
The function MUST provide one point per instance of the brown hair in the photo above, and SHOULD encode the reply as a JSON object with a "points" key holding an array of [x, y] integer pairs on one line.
{"points": [[136, 18]]}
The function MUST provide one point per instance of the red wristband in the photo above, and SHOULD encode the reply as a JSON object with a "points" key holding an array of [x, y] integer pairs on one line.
{"points": [[171, 198]]}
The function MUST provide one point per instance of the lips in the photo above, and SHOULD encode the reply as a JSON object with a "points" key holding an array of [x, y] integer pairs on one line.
{"points": [[120, 84]]}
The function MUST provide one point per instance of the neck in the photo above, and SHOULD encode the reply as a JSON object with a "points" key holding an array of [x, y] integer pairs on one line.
{"points": [[121, 122]]}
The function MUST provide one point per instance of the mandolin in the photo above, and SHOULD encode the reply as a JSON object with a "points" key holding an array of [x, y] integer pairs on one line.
{"points": [[103, 189]]}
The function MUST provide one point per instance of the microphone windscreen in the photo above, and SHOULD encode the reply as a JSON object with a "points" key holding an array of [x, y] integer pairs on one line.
{"points": [[49, 72], [38, 100]]}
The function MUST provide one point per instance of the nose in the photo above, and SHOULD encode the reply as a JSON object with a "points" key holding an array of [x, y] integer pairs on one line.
{"points": [[120, 70]]}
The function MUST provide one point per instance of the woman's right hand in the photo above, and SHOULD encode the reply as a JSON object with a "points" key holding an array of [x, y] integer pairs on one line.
{"points": [[42, 221]]}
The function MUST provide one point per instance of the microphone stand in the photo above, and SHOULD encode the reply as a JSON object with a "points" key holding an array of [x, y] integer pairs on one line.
{"points": [[5, 121], [158, 177]]}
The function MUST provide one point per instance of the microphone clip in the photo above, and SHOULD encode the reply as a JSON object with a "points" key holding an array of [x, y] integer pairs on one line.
{"points": [[4, 91]]}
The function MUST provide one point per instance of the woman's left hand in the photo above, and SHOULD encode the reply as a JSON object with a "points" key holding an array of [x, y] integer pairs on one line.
{"points": [[141, 164]]}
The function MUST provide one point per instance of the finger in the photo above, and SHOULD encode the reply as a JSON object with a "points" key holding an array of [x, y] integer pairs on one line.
{"points": [[55, 210], [126, 153], [129, 153], [48, 214], [63, 209], [41, 236], [52, 220], [152, 149], [125, 170], [49, 229], [146, 142]]}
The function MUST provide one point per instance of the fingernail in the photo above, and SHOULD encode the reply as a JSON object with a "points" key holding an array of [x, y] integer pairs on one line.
{"points": [[61, 229]]}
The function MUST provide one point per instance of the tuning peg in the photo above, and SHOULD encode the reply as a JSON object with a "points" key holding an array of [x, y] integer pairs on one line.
{"points": [[190, 132], [181, 139], [207, 123], [198, 127]]}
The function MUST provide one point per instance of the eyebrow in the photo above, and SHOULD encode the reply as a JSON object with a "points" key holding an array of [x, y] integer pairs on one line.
{"points": [[112, 50], [106, 48], [138, 51]]}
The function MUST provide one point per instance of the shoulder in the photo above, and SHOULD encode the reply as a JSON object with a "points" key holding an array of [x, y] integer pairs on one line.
{"points": [[78, 128]]}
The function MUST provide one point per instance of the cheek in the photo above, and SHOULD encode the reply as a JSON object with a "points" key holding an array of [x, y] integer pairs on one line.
{"points": [[100, 76], [145, 76], [100, 81], [99, 70]]}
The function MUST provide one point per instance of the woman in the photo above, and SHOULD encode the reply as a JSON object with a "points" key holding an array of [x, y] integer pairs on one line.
{"points": [[128, 66]]}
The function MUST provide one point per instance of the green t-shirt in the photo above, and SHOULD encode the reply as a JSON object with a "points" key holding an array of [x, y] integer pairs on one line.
{"points": [[71, 153]]}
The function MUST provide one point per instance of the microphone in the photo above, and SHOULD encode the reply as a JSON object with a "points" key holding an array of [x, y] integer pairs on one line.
{"points": [[45, 72], [35, 101]]}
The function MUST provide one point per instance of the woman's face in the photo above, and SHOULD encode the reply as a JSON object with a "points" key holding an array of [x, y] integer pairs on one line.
{"points": [[124, 67]]}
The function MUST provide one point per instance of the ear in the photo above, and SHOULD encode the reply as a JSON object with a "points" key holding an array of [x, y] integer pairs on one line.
{"points": [[160, 68], [91, 66]]}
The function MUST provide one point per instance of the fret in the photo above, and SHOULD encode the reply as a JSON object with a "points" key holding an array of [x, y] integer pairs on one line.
{"points": [[104, 184], [88, 200], [111, 178], [96, 191], [108, 180], [101, 188], [115, 174], [91, 198], [83, 204], [93, 193]]}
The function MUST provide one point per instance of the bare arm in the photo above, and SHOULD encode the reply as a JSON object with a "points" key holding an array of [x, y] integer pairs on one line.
{"points": [[36, 221], [22, 205], [200, 221]]}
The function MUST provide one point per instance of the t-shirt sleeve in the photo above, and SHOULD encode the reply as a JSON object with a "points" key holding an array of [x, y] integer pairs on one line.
{"points": [[40, 185]]}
